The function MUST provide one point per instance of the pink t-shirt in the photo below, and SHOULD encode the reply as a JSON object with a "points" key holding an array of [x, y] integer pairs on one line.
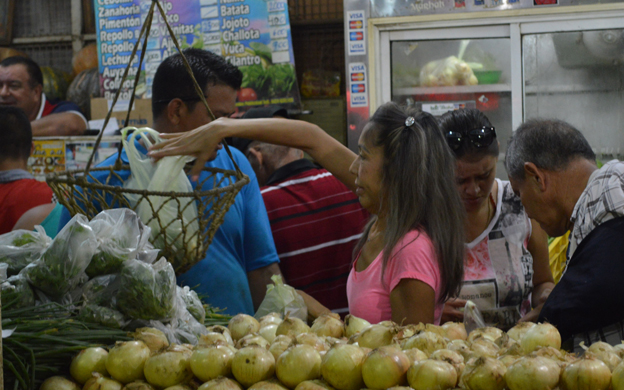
{"points": [[414, 258]]}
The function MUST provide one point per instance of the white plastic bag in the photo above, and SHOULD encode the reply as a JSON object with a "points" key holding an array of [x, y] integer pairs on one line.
{"points": [[448, 72], [21, 247], [282, 298], [472, 317], [167, 175]]}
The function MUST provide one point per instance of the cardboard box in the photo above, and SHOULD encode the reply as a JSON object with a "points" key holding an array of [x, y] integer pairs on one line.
{"points": [[141, 115]]}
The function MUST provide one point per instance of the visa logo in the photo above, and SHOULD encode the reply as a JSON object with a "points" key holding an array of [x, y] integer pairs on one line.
{"points": [[357, 76], [359, 67], [356, 15], [355, 24], [356, 36], [358, 88]]}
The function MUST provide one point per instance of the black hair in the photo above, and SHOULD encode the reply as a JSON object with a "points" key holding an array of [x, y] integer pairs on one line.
{"points": [[15, 134], [242, 144], [462, 121], [34, 71], [550, 144], [173, 81]]}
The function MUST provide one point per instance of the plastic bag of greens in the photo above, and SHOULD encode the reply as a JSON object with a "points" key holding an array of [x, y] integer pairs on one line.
{"points": [[21, 247], [166, 175], [121, 235], [101, 291], [16, 293], [193, 304], [282, 298], [62, 265], [147, 291], [103, 316], [3, 271]]}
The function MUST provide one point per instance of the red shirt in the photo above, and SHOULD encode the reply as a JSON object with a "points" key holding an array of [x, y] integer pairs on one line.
{"points": [[316, 221], [19, 196]]}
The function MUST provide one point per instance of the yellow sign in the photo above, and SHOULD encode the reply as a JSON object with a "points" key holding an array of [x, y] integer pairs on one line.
{"points": [[48, 156]]}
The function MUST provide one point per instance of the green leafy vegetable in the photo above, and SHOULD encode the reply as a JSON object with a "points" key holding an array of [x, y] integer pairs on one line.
{"points": [[193, 303], [256, 77], [262, 50], [16, 293], [102, 315], [283, 79]]}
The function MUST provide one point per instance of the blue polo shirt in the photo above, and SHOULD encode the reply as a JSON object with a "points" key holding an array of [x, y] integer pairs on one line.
{"points": [[243, 242]]}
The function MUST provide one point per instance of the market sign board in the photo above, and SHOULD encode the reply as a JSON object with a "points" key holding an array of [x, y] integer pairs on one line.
{"points": [[254, 35]]}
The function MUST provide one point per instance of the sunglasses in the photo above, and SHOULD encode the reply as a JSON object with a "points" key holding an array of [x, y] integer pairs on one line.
{"points": [[479, 138]]}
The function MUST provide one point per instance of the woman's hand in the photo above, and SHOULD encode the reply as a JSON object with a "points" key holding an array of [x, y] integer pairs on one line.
{"points": [[200, 143], [451, 312]]}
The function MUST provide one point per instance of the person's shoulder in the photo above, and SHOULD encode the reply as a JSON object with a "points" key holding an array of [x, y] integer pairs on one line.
{"points": [[224, 161], [417, 238], [59, 106]]}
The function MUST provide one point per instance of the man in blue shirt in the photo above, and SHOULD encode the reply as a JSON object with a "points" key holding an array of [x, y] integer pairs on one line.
{"points": [[241, 258]]}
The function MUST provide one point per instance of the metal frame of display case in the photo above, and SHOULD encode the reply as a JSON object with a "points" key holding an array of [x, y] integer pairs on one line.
{"points": [[512, 24]]}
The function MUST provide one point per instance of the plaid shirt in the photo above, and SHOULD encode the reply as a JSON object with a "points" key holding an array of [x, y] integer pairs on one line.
{"points": [[602, 200]]}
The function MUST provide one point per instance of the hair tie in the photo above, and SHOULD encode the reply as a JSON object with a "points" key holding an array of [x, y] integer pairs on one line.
{"points": [[410, 121]]}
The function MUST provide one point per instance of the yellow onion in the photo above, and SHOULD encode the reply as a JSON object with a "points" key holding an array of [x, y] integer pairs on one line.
{"points": [[389, 324], [435, 329], [333, 341], [451, 357], [415, 355], [540, 335], [342, 367], [328, 325], [299, 363], [59, 383], [223, 330], [619, 349], [252, 339], [432, 374], [489, 332], [455, 331], [241, 325], [519, 330], [385, 367], [221, 383], [292, 326], [409, 330], [97, 382], [268, 332], [617, 377], [376, 336], [280, 345], [315, 384], [126, 360], [269, 384], [354, 325], [211, 362], [211, 338], [313, 341], [508, 360], [514, 349], [139, 385], [484, 373], [152, 337], [483, 346], [178, 387], [426, 341], [461, 347], [505, 341], [611, 359], [400, 388], [252, 364], [88, 361], [271, 318], [532, 373], [168, 368], [585, 374]]}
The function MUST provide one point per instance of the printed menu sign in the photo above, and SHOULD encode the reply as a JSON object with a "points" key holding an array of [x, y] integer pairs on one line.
{"points": [[254, 35]]}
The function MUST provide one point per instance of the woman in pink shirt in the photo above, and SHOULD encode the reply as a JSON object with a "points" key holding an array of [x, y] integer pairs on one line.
{"points": [[409, 259]]}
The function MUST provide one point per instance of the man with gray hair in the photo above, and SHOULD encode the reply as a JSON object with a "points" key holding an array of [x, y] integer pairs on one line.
{"points": [[553, 169]]}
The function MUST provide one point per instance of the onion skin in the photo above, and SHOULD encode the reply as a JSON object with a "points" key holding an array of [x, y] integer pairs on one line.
{"points": [[426, 341], [299, 363], [376, 336], [271, 384], [221, 384], [483, 346], [278, 348], [516, 332], [432, 374], [455, 331], [341, 367], [385, 367], [212, 362], [484, 373], [617, 377], [252, 339], [489, 332], [328, 325], [88, 361], [532, 373], [126, 360], [316, 384], [271, 318], [268, 332], [313, 341], [354, 325], [585, 374], [211, 338], [168, 368], [59, 383], [223, 330], [541, 335], [252, 364], [241, 325], [415, 355], [451, 357], [98, 382], [138, 385], [152, 337], [292, 326]]}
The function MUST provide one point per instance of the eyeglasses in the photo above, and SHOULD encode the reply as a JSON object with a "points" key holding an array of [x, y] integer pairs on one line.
{"points": [[479, 138]]}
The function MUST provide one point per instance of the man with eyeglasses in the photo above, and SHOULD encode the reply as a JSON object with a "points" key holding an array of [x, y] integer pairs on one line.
{"points": [[553, 169], [241, 258]]}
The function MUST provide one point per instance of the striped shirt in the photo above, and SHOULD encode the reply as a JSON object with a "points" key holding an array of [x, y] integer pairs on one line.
{"points": [[316, 221]]}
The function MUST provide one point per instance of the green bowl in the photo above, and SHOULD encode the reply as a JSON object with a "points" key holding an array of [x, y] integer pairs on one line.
{"points": [[488, 76]]}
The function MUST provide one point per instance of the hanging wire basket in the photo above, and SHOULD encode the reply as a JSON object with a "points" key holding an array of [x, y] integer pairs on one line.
{"points": [[90, 191]]}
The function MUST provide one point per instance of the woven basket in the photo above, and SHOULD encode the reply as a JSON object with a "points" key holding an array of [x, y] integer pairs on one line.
{"points": [[81, 192]]}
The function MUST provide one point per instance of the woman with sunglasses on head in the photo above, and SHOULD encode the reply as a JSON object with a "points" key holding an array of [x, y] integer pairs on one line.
{"points": [[409, 259], [506, 269]]}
